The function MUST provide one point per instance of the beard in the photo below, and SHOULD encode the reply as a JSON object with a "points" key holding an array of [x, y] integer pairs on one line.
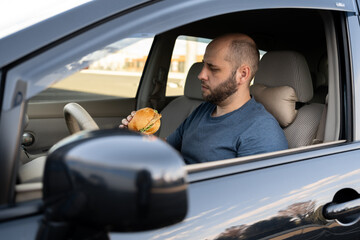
{"points": [[222, 91]]}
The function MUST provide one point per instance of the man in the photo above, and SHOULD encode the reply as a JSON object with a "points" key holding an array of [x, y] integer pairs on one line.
{"points": [[230, 123]]}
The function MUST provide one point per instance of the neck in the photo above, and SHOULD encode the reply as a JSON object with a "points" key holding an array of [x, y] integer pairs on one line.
{"points": [[232, 103]]}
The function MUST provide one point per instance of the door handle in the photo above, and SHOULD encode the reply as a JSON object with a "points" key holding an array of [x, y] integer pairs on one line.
{"points": [[346, 212]]}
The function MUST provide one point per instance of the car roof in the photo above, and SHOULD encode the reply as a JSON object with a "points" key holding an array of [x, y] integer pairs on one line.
{"points": [[35, 33], [11, 23]]}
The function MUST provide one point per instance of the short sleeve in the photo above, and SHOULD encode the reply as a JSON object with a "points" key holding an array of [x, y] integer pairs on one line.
{"points": [[262, 137]]}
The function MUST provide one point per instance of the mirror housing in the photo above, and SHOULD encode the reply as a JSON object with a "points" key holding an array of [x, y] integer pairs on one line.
{"points": [[112, 180]]}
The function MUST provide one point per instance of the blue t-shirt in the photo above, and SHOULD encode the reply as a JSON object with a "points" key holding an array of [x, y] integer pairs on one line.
{"points": [[246, 131]]}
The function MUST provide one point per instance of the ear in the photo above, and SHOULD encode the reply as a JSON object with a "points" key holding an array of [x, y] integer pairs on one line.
{"points": [[243, 74]]}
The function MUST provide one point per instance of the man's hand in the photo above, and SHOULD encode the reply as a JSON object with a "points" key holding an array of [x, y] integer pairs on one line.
{"points": [[125, 121]]}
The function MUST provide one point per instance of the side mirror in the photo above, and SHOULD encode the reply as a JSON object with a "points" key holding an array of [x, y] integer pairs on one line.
{"points": [[114, 180]]}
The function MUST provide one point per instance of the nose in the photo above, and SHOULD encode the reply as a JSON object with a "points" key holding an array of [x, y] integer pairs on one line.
{"points": [[202, 75]]}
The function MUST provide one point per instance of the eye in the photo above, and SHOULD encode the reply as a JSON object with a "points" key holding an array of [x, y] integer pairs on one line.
{"points": [[214, 69]]}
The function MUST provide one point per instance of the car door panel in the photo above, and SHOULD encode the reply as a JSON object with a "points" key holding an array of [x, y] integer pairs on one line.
{"points": [[292, 202], [279, 202]]}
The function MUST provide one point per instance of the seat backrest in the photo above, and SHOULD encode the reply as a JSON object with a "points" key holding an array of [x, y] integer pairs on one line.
{"points": [[180, 108], [283, 85]]}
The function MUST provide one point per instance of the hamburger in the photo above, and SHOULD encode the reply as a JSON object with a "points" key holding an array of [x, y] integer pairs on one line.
{"points": [[146, 121]]}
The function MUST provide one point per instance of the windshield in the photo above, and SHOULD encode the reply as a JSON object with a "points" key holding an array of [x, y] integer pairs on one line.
{"points": [[16, 15]]}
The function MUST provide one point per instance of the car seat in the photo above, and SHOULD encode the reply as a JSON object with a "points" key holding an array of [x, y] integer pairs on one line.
{"points": [[283, 85], [180, 108]]}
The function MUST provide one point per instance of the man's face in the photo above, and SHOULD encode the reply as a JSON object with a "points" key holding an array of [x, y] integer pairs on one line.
{"points": [[218, 79], [222, 91]]}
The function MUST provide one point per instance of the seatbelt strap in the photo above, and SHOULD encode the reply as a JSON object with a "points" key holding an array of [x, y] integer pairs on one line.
{"points": [[157, 98], [299, 105], [319, 138]]}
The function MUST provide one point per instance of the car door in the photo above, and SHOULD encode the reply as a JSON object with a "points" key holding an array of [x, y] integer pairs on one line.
{"points": [[235, 202], [274, 196]]}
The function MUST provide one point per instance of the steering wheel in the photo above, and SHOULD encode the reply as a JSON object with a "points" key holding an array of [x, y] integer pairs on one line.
{"points": [[78, 118]]}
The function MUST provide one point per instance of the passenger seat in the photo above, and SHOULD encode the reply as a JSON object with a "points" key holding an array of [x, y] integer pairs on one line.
{"points": [[180, 108], [283, 85]]}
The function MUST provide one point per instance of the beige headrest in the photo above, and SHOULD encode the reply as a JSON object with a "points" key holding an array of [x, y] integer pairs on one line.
{"points": [[279, 101], [286, 68], [193, 84]]}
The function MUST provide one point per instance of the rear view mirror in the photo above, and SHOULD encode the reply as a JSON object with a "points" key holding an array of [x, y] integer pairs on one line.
{"points": [[114, 180]]}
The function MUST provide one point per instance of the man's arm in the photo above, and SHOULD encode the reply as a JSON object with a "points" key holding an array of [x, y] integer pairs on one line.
{"points": [[263, 137]]}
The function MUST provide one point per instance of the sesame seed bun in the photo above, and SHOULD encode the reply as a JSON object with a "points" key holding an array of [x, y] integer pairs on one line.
{"points": [[145, 120]]}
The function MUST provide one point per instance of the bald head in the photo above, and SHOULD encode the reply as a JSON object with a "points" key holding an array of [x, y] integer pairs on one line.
{"points": [[241, 49]]}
